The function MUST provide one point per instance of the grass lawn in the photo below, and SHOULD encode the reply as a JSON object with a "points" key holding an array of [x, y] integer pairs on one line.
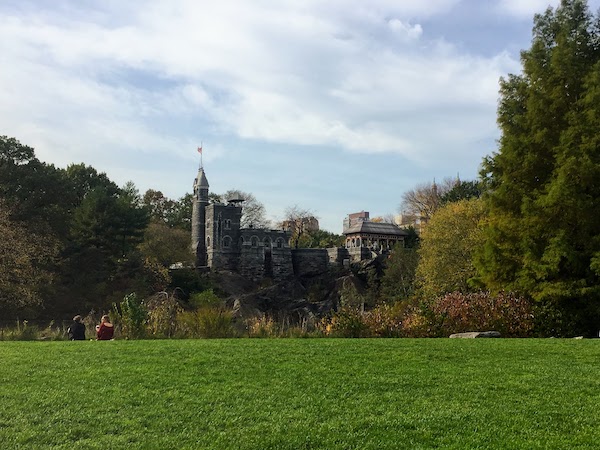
{"points": [[301, 393]]}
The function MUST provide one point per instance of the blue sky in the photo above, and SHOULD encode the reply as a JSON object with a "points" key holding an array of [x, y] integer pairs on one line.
{"points": [[334, 106]]}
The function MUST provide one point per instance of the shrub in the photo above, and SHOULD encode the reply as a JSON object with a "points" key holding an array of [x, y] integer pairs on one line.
{"points": [[507, 313], [22, 332], [215, 322], [261, 327], [347, 322], [416, 324], [205, 298], [385, 321], [132, 315], [207, 322], [162, 315]]}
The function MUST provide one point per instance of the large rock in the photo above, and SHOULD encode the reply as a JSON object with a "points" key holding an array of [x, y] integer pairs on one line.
{"points": [[476, 334]]}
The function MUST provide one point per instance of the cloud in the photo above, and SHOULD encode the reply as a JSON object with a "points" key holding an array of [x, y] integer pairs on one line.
{"points": [[524, 9], [406, 31], [334, 74]]}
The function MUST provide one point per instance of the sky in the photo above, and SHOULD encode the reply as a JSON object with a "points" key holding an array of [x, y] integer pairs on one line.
{"points": [[332, 106]]}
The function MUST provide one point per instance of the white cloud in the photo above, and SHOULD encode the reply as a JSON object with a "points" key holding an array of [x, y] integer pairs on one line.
{"points": [[405, 30], [524, 9], [307, 74], [146, 79]]}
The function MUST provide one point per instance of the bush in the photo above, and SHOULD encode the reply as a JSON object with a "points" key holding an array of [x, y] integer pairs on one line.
{"points": [[348, 322], [262, 327], [22, 332], [456, 312], [162, 315], [385, 321], [207, 322], [205, 298], [132, 315]]}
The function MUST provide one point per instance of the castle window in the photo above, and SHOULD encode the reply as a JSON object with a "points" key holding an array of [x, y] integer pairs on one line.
{"points": [[279, 243], [208, 241], [227, 224], [226, 242], [254, 241], [267, 242], [242, 240]]}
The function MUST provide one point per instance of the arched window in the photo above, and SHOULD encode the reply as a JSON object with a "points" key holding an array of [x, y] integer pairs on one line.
{"points": [[254, 241], [358, 242], [226, 242], [279, 243], [242, 240], [267, 242], [228, 224], [208, 241]]}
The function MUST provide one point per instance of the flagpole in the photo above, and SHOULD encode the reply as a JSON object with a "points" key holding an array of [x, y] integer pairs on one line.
{"points": [[201, 165]]}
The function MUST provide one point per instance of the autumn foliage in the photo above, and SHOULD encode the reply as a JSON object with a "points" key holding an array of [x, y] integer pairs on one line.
{"points": [[456, 312]]}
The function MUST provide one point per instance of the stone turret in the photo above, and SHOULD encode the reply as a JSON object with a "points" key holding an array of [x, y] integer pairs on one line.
{"points": [[200, 202]]}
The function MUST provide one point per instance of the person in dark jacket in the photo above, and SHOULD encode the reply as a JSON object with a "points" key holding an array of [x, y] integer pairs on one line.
{"points": [[76, 331]]}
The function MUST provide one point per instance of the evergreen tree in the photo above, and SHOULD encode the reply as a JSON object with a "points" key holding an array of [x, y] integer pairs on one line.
{"points": [[543, 237]]}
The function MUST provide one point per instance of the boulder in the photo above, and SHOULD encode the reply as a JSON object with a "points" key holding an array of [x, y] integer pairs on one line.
{"points": [[476, 334]]}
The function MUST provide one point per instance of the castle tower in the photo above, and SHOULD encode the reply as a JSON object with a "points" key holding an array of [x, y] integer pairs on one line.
{"points": [[200, 202]]}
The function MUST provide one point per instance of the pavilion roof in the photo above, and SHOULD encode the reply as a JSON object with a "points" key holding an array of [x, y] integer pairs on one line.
{"points": [[366, 227]]}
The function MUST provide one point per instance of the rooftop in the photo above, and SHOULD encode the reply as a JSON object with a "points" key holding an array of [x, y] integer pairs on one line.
{"points": [[376, 228]]}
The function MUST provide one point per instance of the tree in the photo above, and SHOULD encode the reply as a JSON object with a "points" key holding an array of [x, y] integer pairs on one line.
{"points": [[447, 248], [398, 281], [298, 221], [160, 208], [542, 238], [387, 218], [83, 179], [36, 193], [166, 245], [321, 239], [253, 211], [425, 198], [132, 218], [24, 261], [462, 190]]}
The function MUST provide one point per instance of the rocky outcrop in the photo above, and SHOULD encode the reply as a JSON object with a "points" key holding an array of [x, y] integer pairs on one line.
{"points": [[293, 300], [476, 334]]}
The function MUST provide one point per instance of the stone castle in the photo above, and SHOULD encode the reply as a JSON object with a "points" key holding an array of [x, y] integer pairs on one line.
{"points": [[220, 243]]}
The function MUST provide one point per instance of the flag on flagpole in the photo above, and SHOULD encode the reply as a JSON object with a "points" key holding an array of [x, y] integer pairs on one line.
{"points": [[200, 149]]}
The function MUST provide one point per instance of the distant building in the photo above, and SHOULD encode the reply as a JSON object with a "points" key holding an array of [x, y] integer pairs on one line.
{"points": [[353, 219], [366, 239], [405, 221], [308, 224]]}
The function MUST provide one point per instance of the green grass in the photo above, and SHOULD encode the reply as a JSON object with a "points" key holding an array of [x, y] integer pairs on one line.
{"points": [[301, 393]]}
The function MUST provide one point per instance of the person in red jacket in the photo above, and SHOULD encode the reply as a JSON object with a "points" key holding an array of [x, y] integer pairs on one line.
{"points": [[106, 330]]}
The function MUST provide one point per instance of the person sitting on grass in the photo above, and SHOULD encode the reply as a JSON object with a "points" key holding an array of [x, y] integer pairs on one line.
{"points": [[76, 331], [106, 330]]}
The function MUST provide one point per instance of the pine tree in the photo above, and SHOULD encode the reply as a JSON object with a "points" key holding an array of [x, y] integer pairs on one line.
{"points": [[543, 183]]}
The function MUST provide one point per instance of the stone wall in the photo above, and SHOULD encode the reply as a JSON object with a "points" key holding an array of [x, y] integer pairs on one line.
{"points": [[281, 264], [337, 255], [310, 261], [359, 253], [252, 262]]}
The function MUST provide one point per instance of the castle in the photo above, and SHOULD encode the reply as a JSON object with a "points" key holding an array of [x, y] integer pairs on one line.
{"points": [[220, 243]]}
